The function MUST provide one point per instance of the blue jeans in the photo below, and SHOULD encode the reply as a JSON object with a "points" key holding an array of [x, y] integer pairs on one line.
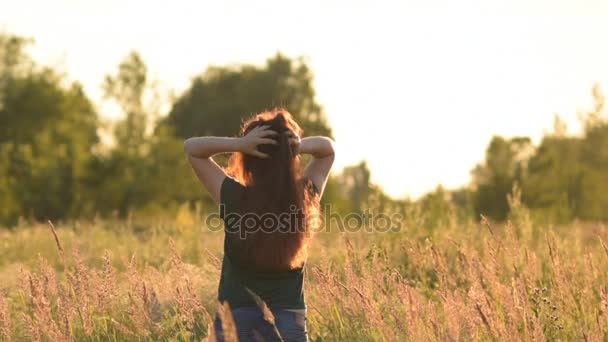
{"points": [[290, 326]]}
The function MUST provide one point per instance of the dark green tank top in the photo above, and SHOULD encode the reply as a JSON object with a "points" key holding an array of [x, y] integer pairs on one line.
{"points": [[277, 289]]}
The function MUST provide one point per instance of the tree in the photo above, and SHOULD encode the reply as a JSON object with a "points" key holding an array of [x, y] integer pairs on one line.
{"points": [[127, 88], [553, 187], [505, 164], [219, 100], [51, 165], [47, 129], [121, 180], [594, 160], [354, 184]]}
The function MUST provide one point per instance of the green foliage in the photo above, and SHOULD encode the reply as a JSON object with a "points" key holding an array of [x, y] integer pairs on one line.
{"points": [[554, 184], [564, 178], [355, 186], [438, 208], [53, 165], [222, 97], [126, 167], [505, 165], [594, 160], [47, 129]]}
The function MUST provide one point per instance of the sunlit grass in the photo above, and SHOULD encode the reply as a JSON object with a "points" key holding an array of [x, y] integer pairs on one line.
{"points": [[157, 280]]}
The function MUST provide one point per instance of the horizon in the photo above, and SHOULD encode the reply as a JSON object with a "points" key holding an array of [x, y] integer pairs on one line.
{"points": [[457, 84]]}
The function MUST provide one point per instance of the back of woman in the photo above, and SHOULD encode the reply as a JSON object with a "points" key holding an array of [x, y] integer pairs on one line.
{"points": [[270, 210]]}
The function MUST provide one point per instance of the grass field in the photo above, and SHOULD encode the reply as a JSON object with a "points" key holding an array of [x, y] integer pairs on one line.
{"points": [[157, 280]]}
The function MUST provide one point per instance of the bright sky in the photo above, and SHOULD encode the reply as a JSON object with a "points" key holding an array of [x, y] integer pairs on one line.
{"points": [[417, 88]]}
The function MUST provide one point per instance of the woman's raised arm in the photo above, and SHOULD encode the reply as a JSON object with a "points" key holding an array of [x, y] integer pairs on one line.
{"points": [[322, 151], [200, 151]]}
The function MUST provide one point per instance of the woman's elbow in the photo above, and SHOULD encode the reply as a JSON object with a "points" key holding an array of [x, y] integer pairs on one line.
{"points": [[188, 146], [331, 150]]}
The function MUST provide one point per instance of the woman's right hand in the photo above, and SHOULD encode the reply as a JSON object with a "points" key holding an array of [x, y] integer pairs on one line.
{"points": [[257, 136]]}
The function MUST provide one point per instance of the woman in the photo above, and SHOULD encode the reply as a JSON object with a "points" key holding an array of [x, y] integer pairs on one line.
{"points": [[269, 208]]}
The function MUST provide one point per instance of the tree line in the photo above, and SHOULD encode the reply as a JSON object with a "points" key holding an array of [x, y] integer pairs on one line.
{"points": [[60, 159], [565, 177]]}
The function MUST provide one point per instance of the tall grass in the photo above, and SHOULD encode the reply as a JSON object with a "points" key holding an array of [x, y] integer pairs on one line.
{"points": [[143, 280]]}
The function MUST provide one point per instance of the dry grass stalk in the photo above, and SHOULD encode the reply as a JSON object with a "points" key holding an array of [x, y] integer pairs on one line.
{"points": [[107, 285], [268, 315], [228, 325], [122, 328], [40, 322], [217, 263], [5, 320], [603, 245], [57, 242], [449, 285]]}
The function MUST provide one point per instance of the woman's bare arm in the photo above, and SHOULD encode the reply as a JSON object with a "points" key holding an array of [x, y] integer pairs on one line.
{"points": [[200, 151], [322, 151]]}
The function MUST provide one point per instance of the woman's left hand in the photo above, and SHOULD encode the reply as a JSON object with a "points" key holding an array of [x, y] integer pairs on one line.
{"points": [[257, 136]]}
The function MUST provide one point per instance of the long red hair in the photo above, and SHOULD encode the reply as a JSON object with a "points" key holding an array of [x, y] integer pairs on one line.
{"points": [[274, 186]]}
